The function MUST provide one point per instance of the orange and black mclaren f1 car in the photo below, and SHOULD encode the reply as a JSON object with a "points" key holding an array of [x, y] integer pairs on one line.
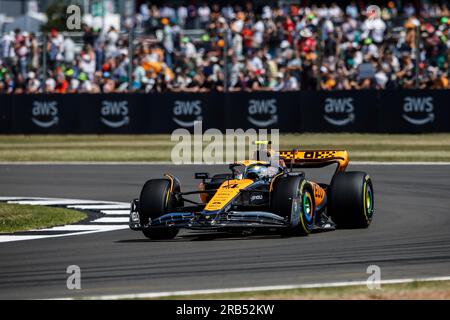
{"points": [[258, 196]]}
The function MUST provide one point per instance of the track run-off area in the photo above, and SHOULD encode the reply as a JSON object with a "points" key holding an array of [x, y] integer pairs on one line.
{"points": [[409, 236]]}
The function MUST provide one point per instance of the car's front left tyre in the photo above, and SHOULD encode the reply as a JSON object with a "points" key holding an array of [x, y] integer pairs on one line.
{"points": [[293, 198]]}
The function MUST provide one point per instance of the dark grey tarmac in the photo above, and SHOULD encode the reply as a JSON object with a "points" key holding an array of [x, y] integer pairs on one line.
{"points": [[409, 237]]}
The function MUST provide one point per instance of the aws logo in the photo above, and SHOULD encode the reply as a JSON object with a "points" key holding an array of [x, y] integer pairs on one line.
{"points": [[262, 113], [185, 113], [114, 114], [418, 110], [45, 114], [339, 112]]}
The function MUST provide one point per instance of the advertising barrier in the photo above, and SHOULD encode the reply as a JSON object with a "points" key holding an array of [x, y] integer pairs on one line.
{"points": [[403, 111]]}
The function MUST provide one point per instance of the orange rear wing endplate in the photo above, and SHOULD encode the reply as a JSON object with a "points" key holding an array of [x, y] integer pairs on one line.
{"points": [[315, 158]]}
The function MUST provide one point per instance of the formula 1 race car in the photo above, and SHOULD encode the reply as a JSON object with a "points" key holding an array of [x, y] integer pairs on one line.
{"points": [[257, 195]]}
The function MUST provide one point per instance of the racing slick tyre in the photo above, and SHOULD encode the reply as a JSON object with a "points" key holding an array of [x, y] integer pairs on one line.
{"points": [[350, 200], [154, 201], [293, 197]]}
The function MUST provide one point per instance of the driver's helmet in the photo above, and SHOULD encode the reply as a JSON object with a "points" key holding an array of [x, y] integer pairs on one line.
{"points": [[256, 172]]}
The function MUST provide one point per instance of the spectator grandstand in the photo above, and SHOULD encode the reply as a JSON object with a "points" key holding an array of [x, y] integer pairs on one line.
{"points": [[210, 47]]}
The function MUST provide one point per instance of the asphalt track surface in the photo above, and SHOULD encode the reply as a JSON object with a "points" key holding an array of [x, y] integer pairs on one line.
{"points": [[409, 237]]}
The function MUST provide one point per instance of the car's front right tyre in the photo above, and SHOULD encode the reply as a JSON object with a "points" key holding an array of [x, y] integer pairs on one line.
{"points": [[154, 201]]}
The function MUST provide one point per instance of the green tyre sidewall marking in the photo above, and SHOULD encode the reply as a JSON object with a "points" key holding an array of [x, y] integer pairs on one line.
{"points": [[302, 217]]}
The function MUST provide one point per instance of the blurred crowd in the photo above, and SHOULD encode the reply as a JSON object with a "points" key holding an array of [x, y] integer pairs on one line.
{"points": [[239, 48]]}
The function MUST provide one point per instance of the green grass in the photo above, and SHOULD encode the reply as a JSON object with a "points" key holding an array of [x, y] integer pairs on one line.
{"points": [[365, 147], [414, 290], [14, 217]]}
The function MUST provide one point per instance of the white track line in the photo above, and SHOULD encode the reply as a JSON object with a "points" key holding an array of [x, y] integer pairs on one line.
{"points": [[38, 237], [81, 227], [99, 206], [18, 238], [112, 220], [64, 202], [99, 225], [116, 212], [20, 198], [261, 288], [6, 198]]}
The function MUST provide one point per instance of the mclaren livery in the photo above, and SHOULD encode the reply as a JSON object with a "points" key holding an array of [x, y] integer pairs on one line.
{"points": [[258, 195]]}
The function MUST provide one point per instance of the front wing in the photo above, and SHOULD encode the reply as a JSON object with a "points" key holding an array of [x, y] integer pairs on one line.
{"points": [[206, 220]]}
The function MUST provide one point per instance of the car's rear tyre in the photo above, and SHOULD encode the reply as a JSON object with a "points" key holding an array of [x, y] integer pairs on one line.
{"points": [[293, 197], [154, 201], [351, 200]]}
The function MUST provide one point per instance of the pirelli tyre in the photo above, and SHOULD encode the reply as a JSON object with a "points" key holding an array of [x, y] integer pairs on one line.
{"points": [[351, 200], [293, 197], [154, 201]]}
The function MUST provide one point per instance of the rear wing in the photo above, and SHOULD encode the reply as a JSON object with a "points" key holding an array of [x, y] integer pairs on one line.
{"points": [[315, 158]]}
